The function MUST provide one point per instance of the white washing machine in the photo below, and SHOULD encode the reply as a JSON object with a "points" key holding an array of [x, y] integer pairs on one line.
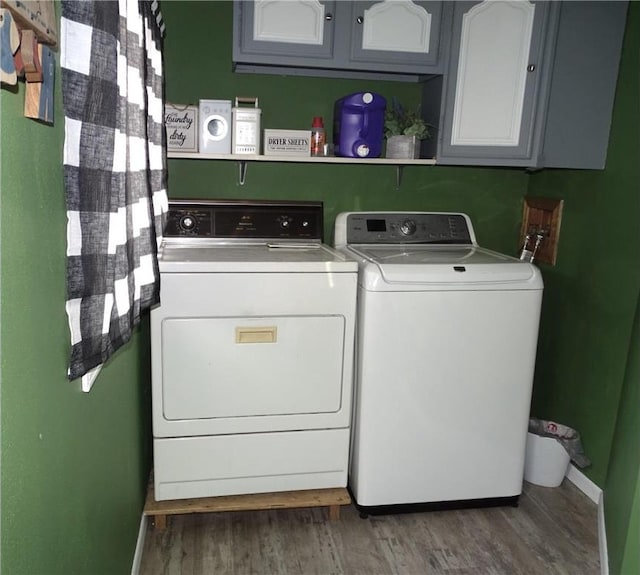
{"points": [[446, 346], [252, 351]]}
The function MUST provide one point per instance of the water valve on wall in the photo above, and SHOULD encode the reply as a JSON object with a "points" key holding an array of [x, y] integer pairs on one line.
{"points": [[531, 245], [540, 229]]}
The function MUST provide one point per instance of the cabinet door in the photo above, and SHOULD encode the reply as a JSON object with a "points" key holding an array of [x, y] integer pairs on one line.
{"points": [[401, 35], [290, 30], [493, 82], [583, 87]]}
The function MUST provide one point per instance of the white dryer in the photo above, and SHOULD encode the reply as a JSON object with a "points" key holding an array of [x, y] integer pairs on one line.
{"points": [[252, 351], [446, 345]]}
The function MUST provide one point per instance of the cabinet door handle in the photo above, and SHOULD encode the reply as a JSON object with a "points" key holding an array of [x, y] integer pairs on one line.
{"points": [[531, 68], [359, 19], [329, 17]]}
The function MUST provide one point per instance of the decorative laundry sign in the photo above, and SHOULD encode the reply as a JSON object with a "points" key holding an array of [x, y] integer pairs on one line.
{"points": [[38, 99], [181, 124]]}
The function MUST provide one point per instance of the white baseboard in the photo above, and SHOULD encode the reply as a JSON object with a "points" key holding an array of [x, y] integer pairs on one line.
{"points": [[584, 484], [593, 492], [137, 556], [602, 538]]}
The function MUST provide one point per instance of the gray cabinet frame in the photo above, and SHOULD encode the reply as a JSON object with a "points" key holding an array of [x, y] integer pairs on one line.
{"points": [[576, 47], [568, 100], [340, 56], [408, 62], [536, 81], [261, 52]]}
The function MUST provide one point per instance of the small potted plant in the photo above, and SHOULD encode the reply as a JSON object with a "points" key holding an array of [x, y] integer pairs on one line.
{"points": [[403, 130]]}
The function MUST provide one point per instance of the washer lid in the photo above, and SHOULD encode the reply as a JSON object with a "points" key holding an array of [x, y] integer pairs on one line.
{"points": [[408, 264], [256, 258]]}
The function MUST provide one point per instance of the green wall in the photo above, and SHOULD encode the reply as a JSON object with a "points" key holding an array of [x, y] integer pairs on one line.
{"points": [[590, 296], [630, 561], [622, 488], [73, 465], [622, 493], [586, 373]]}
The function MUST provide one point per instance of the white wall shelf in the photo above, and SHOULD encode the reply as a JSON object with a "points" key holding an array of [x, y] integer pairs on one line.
{"points": [[244, 159]]}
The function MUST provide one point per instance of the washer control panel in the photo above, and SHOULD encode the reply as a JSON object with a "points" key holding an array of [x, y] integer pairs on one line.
{"points": [[408, 227], [251, 219]]}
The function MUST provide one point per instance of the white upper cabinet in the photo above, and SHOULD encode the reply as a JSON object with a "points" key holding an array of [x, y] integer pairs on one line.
{"points": [[300, 22], [396, 26], [339, 38], [288, 28], [493, 77], [520, 87], [397, 32], [504, 82], [493, 66]]}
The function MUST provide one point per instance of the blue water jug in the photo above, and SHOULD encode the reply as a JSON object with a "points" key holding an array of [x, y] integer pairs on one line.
{"points": [[358, 125]]}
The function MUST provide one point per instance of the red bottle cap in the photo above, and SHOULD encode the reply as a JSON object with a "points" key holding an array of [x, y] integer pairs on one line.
{"points": [[317, 122]]}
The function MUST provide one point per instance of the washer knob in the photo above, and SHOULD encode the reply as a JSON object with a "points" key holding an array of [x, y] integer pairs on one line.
{"points": [[408, 228], [187, 223]]}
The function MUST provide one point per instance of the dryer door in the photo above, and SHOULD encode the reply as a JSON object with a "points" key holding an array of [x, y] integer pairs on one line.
{"points": [[235, 367], [252, 352]]}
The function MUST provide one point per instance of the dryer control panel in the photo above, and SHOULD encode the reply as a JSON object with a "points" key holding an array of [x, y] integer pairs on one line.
{"points": [[406, 227], [244, 220]]}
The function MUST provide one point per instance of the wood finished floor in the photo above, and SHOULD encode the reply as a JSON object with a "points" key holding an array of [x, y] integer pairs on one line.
{"points": [[552, 531]]}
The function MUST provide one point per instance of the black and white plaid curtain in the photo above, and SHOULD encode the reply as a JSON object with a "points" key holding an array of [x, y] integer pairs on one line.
{"points": [[114, 169]]}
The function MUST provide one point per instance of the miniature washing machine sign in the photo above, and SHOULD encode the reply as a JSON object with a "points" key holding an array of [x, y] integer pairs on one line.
{"points": [[215, 126], [246, 127]]}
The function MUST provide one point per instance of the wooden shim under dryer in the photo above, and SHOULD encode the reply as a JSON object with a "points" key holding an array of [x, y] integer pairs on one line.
{"points": [[332, 498]]}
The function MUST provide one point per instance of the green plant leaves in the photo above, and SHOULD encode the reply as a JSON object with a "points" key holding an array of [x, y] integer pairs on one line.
{"points": [[400, 122]]}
